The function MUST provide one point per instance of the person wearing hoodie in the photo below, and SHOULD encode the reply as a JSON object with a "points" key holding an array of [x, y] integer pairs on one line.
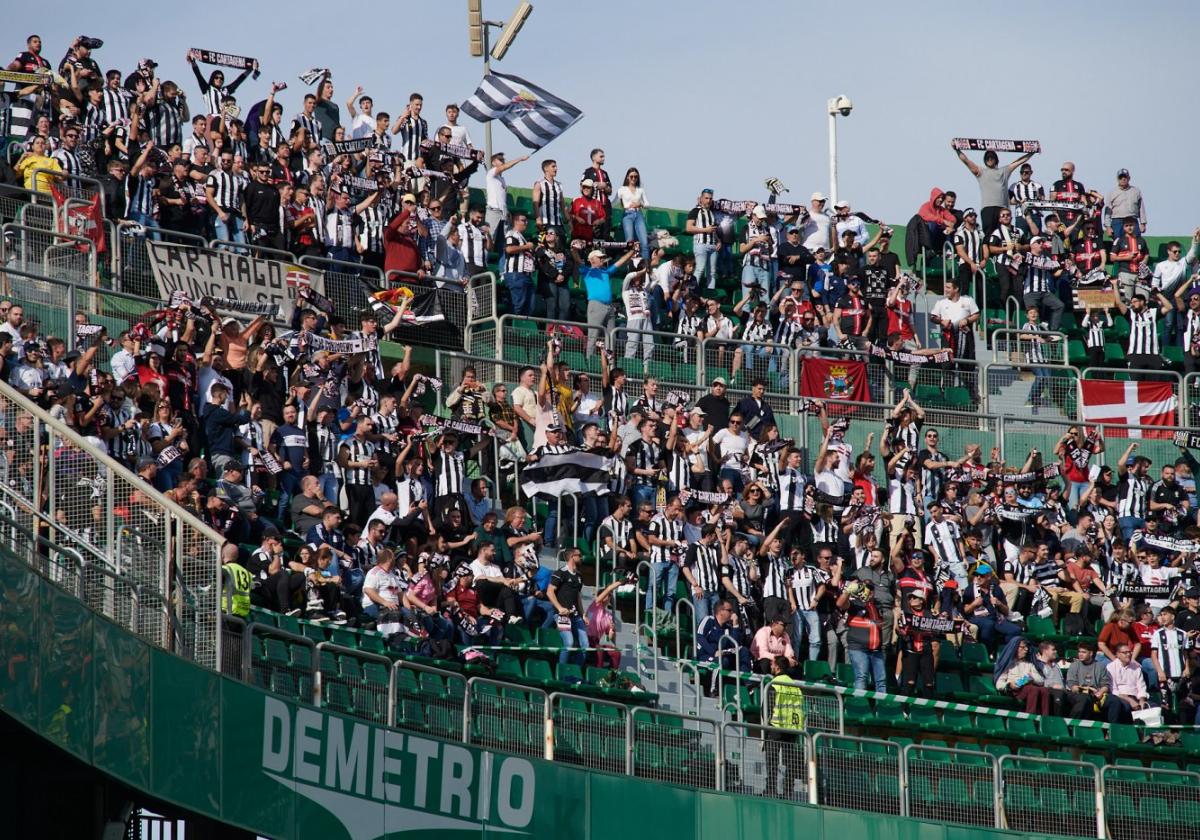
{"points": [[938, 220]]}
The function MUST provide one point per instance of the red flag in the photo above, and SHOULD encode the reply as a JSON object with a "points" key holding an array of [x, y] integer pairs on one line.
{"points": [[834, 379], [80, 221], [1129, 403]]}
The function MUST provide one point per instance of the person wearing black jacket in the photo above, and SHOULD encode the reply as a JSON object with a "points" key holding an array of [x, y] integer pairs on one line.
{"points": [[219, 428], [877, 280], [263, 215], [794, 258], [554, 267]]}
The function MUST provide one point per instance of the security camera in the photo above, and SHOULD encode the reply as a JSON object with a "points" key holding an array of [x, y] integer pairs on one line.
{"points": [[841, 105]]}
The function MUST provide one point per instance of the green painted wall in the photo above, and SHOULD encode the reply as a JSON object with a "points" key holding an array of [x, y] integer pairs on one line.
{"points": [[240, 755]]}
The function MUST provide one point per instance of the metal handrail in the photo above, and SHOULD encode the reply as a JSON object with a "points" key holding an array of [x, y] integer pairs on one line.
{"points": [[293, 638], [1014, 338], [373, 657], [908, 749], [1086, 767]]}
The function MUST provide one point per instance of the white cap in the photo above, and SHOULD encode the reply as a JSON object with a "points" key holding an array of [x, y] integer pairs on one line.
{"points": [[759, 212], [817, 196], [842, 203], [596, 253]]}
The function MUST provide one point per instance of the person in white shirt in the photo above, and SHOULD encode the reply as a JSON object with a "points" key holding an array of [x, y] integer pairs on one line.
{"points": [[846, 222], [633, 200], [383, 587], [637, 311], [12, 326], [122, 363], [817, 230], [730, 446], [496, 189], [362, 122], [458, 133]]}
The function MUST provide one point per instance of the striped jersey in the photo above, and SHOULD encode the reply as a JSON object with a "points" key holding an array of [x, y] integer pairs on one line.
{"points": [[1003, 236], [1038, 277], [412, 131], [1096, 329], [664, 529], [971, 242], [520, 262], [114, 104], [703, 218], [358, 450], [737, 570], [550, 209], [775, 576], [621, 531], [1133, 496], [1171, 644], [166, 122], [1143, 332], [1034, 349], [705, 564], [68, 160], [449, 470], [472, 246], [791, 490], [804, 581], [227, 190]]}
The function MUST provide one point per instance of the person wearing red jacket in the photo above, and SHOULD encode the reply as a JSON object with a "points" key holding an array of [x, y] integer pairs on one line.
{"points": [[400, 248]]}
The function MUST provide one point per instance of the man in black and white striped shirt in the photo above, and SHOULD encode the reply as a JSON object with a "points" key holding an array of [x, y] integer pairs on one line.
{"points": [[167, 116], [806, 586], [1040, 287], [1033, 342], [1006, 245], [1143, 351], [1190, 326], [66, 154], [616, 536], [1168, 651], [307, 119], [667, 549], [1023, 191], [702, 226], [224, 195], [969, 247], [943, 536], [548, 199], [1133, 492], [412, 128], [475, 242], [356, 456], [702, 569]]}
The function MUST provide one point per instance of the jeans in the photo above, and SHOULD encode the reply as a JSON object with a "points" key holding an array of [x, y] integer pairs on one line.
{"points": [[520, 288], [558, 302], [807, 621], [704, 606], [574, 643], [706, 264], [232, 230], [529, 604], [1041, 378], [1149, 673], [550, 528], [989, 627], [329, 488], [755, 274], [658, 307], [1075, 493], [864, 661], [1046, 301], [664, 577], [289, 485], [1129, 524], [642, 494], [633, 225]]}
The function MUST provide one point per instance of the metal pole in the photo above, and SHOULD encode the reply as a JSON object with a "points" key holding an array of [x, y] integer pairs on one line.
{"points": [[487, 68], [832, 157]]}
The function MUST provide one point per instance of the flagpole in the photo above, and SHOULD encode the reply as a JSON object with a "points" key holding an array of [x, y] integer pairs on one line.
{"points": [[487, 69]]}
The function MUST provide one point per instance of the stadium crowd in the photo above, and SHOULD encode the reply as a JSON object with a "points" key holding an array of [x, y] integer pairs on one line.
{"points": [[344, 499]]}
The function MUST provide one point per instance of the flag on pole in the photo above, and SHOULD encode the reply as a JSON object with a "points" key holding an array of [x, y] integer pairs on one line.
{"points": [[1128, 404], [535, 115]]}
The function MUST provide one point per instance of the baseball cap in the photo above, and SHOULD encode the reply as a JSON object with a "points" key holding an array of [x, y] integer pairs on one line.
{"points": [[596, 252], [708, 190], [1038, 239], [720, 380], [983, 569], [225, 322], [271, 532], [853, 281], [759, 212], [234, 466], [1192, 593], [817, 196], [587, 182], [1122, 173], [970, 211], [912, 595], [841, 203], [792, 229], [408, 197], [698, 411]]}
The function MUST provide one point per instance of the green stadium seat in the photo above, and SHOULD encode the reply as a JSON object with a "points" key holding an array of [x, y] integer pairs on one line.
{"points": [[372, 643], [817, 670], [858, 711], [925, 718], [845, 674], [1031, 752], [337, 697], [976, 656], [569, 673], [508, 667], [289, 623], [1090, 737], [1055, 729], [958, 721], [949, 685], [997, 750], [991, 726], [538, 671], [1022, 727], [376, 673]]}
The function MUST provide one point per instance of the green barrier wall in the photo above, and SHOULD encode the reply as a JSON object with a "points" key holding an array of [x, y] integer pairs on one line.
{"points": [[240, 755]]}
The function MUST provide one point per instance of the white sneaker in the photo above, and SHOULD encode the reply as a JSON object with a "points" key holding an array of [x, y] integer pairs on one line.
{"points": [[1013, 615]]}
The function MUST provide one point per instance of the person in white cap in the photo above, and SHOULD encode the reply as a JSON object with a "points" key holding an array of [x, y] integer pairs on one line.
{"points": [[846, 222], [759, 245], [817, 231], [597, 282]]}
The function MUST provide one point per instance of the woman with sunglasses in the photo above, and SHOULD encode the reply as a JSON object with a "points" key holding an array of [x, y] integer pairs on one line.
{"points": [[633, 200]]}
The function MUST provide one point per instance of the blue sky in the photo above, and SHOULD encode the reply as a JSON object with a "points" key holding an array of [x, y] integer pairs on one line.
{"points": [[703, 93]]}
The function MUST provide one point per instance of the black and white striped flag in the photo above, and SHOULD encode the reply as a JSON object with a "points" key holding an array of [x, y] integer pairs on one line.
{"points": [[575, 472], [535, 115]]}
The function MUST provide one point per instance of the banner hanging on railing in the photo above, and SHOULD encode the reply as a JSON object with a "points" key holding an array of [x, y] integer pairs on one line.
{"points": [[218, 273], [80, 219]]}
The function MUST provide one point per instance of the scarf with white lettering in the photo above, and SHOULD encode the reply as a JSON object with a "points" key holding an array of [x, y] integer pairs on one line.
{"points": [[241, 62], [346, 346], [940, 358], [309, 77], [348, 147], [453, 150]]}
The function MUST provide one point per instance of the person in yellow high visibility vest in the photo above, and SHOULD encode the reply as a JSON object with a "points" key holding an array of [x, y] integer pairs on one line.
{"points": [[243, 581], [785, 711]]}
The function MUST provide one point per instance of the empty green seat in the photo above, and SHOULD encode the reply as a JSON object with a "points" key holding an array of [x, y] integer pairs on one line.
{"points": [[1022, 727], [817, 670]]}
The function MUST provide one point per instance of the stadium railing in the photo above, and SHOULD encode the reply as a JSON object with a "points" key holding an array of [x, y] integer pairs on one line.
{"points": [[117, 524]]}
